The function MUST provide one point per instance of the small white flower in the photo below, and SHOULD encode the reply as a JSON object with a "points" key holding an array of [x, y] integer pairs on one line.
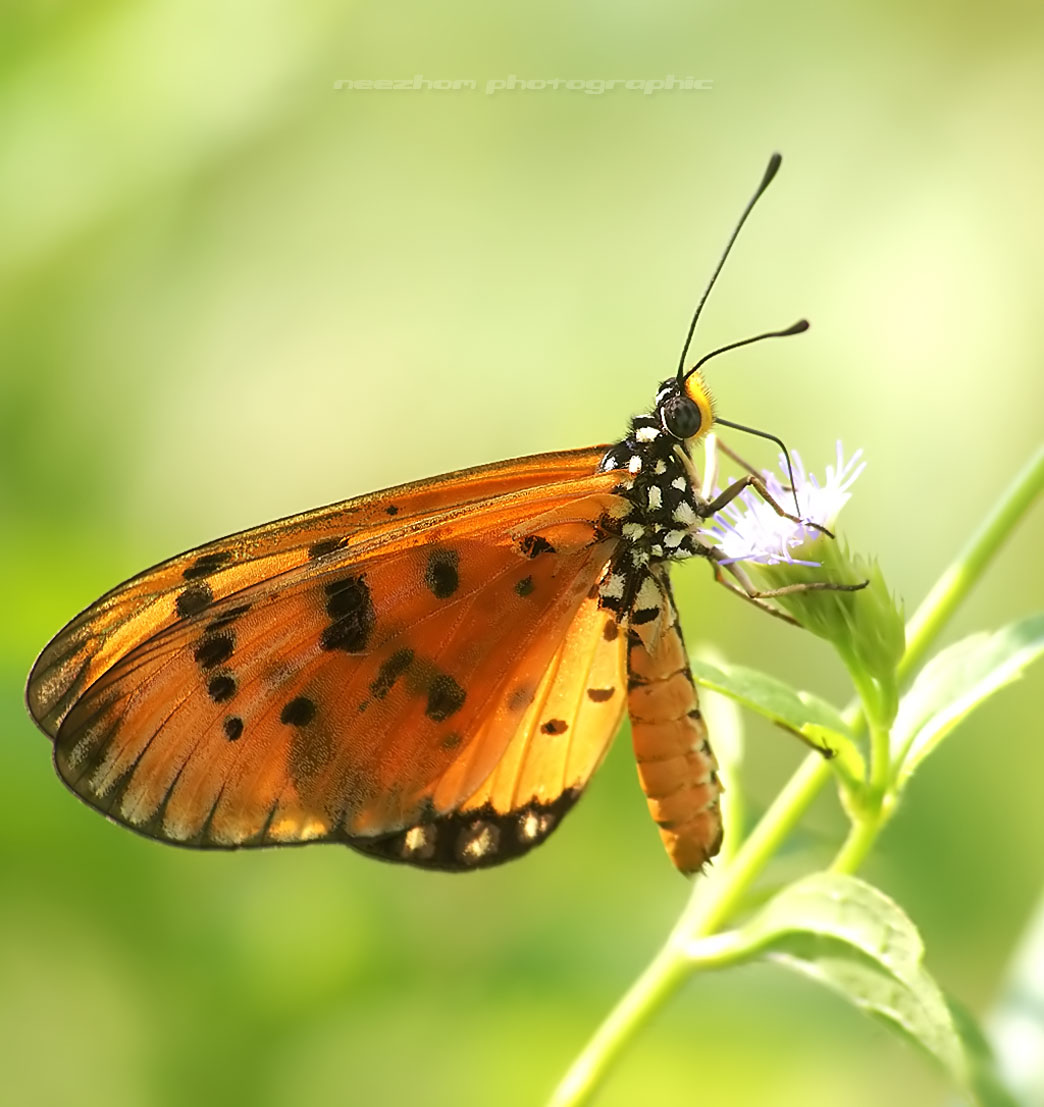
{"points": [[748, 529]]}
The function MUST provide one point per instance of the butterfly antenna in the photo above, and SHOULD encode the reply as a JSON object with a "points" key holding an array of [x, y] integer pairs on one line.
{"points": [[797, 328], [779, 442], [773, 167]]}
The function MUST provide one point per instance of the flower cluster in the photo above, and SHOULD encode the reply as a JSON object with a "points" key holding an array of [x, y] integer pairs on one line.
{"points": [[814, 578], [749, 529]]}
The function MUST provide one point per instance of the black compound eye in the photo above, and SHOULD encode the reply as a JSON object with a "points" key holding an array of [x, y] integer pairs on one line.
{"points": [[681, 417]]}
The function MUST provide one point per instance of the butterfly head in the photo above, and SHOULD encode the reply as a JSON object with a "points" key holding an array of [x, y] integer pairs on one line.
{"points": [[685, 407]]}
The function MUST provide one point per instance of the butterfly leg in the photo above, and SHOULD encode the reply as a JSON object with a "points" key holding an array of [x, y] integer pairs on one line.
{"points": [[748, 593], [751, 480], [759, 597], [740, 461]]}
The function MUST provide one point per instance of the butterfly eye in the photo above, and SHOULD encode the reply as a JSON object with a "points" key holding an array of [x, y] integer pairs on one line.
{"points": [[681, 417]]}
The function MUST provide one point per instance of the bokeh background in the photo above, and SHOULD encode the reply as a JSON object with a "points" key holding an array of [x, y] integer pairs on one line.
{"points": [[229, 292]]}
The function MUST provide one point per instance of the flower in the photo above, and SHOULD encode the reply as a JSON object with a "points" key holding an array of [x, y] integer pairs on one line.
{"points": [[749, 529], [813, 577]]}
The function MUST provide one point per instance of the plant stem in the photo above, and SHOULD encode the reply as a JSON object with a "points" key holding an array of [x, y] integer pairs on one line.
{"points": [[716, 899], [957, 580], [931, 616], [659, 980], [705, 913], [857, 845]]}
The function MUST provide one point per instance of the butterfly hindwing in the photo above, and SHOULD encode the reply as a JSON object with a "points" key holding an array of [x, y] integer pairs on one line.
{"points": [[554, 747]]}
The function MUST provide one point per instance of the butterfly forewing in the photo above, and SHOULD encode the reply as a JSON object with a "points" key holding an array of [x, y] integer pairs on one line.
{"points": [[351, 695], [190, 584]]}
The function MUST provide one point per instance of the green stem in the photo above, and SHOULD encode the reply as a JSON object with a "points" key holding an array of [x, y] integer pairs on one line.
{"points": [[713, 902], [659, 980], [857, 845], [956, 582], [871, 711], [931, 616], [708, 910]]}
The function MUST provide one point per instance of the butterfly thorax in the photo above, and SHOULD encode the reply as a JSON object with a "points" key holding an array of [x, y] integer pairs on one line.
{"points": [[665, 507]]}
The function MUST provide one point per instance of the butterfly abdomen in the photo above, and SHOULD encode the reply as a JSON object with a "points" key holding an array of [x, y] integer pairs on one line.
{"points": [[676, 766]]}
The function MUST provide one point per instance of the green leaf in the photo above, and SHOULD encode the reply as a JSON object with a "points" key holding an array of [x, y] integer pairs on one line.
{"points": [[853, 939], [957, 680], [985, 1069], [1016, 1024], [811, 718]]}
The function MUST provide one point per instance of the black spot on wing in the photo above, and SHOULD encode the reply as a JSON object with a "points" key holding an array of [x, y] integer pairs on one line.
{"points": [[193, 599], [445, 698], [233, 727], [554, 726], [524, 587], [221, 688], [213, 649], [391, 509], [600, 695], [390, 671], [300, 711], [350, 608], [610, 630], [206, 564], [533, 545], [441, 575]]}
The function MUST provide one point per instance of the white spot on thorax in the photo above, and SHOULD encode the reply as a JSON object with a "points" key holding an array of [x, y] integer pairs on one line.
{"points": [[673, 538], [613, 587], [683, 513], [648, 594]]}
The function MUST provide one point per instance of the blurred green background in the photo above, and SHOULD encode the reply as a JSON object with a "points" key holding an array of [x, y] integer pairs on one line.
{"points": [[229, 292]]}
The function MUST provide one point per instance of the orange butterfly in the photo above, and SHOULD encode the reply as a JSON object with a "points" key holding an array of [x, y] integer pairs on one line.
{"points": [[429, 674]]}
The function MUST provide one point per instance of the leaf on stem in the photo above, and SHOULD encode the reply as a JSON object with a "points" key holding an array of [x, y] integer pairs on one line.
{"points": [[955, 682], [815, 720], [853, 939], [1016, 1024]]}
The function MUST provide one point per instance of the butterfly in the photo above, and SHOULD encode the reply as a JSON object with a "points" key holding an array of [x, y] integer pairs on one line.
{"points": [[429, 674]]}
